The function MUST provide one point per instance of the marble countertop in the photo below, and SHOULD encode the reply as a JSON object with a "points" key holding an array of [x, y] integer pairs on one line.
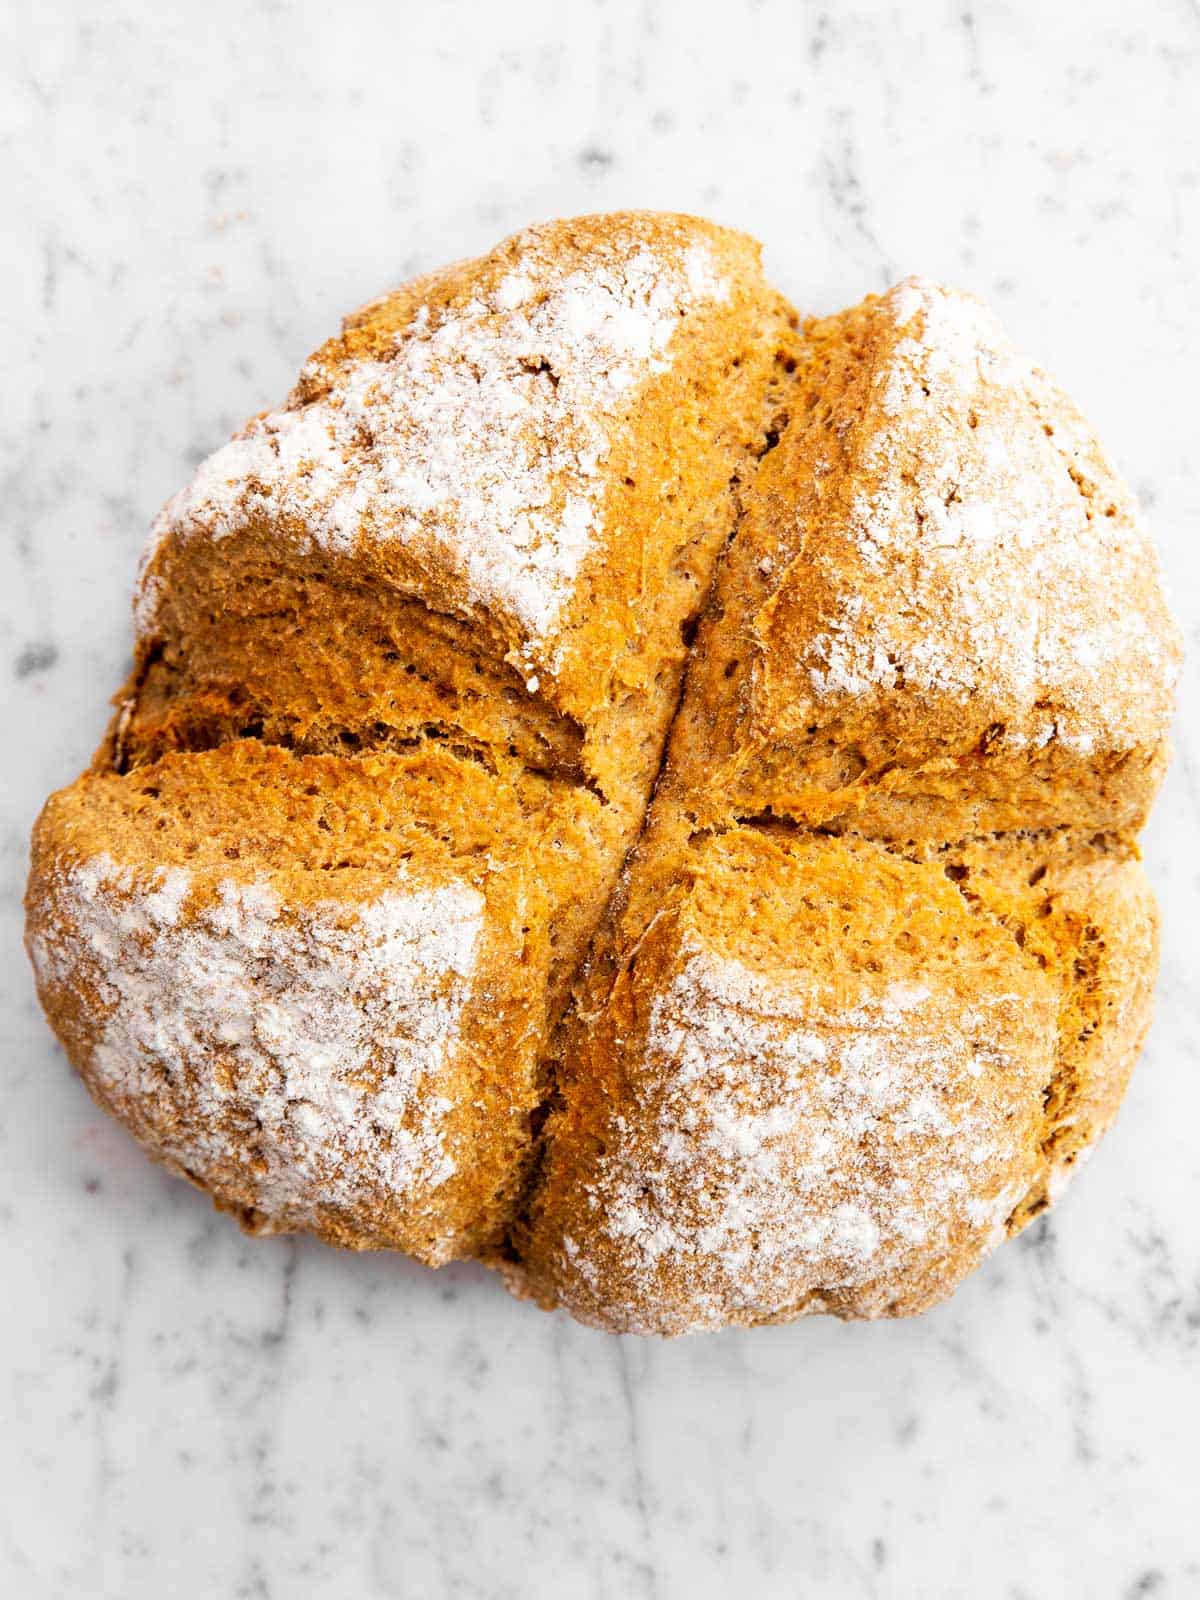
{"points": [[192, 196]]}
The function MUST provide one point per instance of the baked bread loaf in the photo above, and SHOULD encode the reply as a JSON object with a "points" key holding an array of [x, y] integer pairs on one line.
{"points": [[360, 918]]}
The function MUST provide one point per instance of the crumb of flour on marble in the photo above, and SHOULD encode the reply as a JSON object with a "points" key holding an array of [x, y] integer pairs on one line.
{"points": [[1063, 1173], [326, 1025], [477, 443]]}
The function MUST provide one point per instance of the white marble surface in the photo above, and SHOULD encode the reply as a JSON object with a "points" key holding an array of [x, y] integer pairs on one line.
{"points": [[192, 195]]}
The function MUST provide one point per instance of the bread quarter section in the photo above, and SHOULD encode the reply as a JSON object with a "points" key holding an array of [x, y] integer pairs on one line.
{"points": [[942, 614], [490, 510], [815, 1085], [318, 987]]}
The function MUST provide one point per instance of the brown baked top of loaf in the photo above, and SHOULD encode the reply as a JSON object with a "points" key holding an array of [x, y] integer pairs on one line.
{"points": [[341, 618]]}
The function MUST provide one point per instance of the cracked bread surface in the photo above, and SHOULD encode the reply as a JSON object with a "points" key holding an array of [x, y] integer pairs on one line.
{"points": [[814, 1085], [337, 921]]}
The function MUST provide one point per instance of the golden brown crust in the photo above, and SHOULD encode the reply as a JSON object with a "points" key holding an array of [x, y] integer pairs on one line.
{"points": [[1011, 977], [875, 974]]}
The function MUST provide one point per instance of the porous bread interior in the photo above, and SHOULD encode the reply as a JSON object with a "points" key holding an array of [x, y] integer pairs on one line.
{"points": [[246, 804], [378, 672]]}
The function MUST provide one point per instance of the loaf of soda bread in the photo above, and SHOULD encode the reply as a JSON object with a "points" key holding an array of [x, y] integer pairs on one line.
{"points": [[363, 919]]}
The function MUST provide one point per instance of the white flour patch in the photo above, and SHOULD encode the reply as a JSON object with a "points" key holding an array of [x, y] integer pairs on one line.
{"points": [[775, 1149], [299, 1053], [477, 444], [994, 554]]}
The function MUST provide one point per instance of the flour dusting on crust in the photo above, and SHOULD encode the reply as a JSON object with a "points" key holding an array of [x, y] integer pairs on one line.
{"points": [[478, 444], [295, 1053], [774, 1151], [992, 552]]}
